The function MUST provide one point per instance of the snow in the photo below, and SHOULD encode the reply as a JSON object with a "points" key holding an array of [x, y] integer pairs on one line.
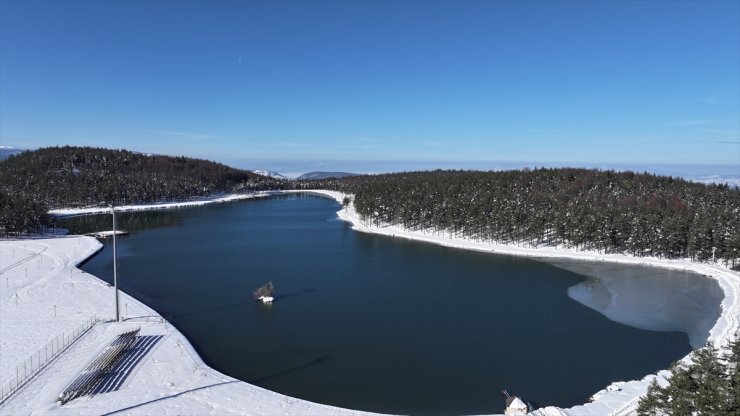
{"points": [[270, 174], [161, 205], [517, 405], [107, 234], [43, 296], [638, 297]]}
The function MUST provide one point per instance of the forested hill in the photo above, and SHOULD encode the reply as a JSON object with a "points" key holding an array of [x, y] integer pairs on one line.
{"points": [[69, 176], [614, 212]]}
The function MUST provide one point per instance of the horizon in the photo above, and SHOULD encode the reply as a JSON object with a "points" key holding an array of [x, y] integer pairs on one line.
{"points": [[292, 169], [559, 83]]}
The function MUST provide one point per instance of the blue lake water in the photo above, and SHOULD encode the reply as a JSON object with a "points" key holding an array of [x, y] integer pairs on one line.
{"points": [[376, 323]]}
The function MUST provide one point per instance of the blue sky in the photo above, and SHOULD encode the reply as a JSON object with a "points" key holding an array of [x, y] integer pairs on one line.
{"points": [[270, 84]]}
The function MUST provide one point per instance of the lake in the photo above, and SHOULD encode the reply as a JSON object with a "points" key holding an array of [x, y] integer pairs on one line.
{"points": [[390, 325]]}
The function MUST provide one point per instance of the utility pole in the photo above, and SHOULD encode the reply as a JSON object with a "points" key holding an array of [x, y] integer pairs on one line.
{"points": [[115, 261]]}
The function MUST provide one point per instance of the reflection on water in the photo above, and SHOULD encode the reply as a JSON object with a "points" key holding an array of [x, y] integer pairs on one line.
{"points": [[639, 296], [130, 221]]}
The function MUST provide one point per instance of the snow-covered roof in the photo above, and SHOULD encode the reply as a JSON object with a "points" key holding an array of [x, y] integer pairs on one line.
{"points": [[517, 403]]}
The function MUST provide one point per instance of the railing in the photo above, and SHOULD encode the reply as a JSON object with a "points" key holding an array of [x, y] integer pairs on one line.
{"points": [[158, 319], [89, 378], [37, 362], [23, 260]]}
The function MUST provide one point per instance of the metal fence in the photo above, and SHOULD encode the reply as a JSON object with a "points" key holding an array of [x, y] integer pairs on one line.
{"points": [[38, 361]]}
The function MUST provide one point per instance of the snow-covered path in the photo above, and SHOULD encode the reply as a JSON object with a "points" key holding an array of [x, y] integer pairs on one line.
{"points": [[164, 205]]}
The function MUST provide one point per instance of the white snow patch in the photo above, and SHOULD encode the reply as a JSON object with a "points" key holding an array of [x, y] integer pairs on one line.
{"points": [[161, 205], [266, 299], [270, 174]]}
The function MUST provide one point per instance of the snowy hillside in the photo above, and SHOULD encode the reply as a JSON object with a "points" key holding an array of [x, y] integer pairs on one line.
{"points": [[270, 174], [325, 175]]}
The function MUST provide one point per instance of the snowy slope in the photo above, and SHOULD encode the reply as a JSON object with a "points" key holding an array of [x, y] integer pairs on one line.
{"points": [[325, 175], [270, 174]]}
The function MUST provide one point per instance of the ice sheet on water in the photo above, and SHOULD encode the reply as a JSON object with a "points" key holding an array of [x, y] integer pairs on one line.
{"points": [[649, 297]]}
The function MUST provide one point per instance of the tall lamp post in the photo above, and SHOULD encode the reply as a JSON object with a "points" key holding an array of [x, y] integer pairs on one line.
{"points": [[115, 262]]}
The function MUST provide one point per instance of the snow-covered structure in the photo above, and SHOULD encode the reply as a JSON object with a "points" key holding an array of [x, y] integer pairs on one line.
{"points": [[266, 299], [515, 406]]}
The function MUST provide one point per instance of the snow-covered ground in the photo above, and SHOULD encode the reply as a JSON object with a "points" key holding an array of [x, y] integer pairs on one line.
{"points": [[43, 295], [163, 205], [270, 174]]}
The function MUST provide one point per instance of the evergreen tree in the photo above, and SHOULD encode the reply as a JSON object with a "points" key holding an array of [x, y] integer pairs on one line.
{"points": [[733, 364], [69, 176], [710, 376], [680, 394], [707, 386], [652, 403], [613, 212]]}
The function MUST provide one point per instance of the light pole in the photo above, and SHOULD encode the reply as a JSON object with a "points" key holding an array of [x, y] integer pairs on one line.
{"points": [[115, 261]]}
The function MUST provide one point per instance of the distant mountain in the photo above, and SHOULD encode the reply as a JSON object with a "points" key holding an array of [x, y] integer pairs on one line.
{"points": [[270, 174], [6, 152], [325, 175]]}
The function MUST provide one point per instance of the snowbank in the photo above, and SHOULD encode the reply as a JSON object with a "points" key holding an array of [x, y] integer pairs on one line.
{"points": [[620, 398], [162, 205]]}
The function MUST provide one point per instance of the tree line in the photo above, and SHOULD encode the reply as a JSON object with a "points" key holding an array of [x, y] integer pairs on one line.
{"points": [[68, 176], [55, 177], [20, 215], [608, 211], [612, 212]]}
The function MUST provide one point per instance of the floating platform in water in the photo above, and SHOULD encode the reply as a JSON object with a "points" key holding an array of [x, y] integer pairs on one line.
{"points": [[107, 234]]}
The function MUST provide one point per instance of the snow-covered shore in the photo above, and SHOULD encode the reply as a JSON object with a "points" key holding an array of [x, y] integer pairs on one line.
{"points": [[162, 205], [56, 297]]}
